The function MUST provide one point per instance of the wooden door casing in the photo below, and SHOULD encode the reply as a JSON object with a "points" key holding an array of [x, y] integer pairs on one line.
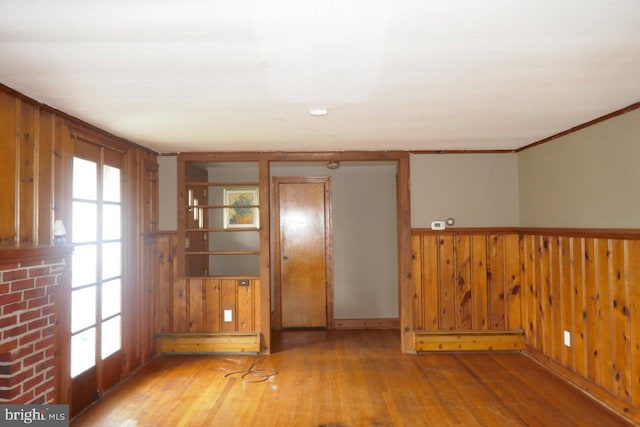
{"points": [[303, 262]]}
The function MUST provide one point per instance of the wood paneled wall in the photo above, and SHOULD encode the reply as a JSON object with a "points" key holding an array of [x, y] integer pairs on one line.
{"points": [[37, 146], [36, 154], [197, 305], [587, 284], [466, 280]]}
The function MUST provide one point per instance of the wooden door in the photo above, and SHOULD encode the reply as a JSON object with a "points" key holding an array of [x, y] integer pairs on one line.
{"points": [[304, 286], [97, 278]]}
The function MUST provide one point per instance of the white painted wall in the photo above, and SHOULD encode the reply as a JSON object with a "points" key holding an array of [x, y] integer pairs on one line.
{"points": [[168, 193], [587, 179], [477, 190], [364, 236]]}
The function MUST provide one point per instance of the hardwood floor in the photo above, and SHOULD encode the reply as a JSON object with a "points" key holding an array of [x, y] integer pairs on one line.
{"points": [[346, 378]]}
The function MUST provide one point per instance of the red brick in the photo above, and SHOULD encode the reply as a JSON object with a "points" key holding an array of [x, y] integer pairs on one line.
{"points": [[25, 398], [14, 331], [46, 364], [43, 388], [33, 293], [48, 310], [4, 288], [18, 378], [21, 352], [30, 338], [11, 275], [12, 308], [32, 263], [21, 285], [38, 302], [48, 330], [52, 290], [8, 368], [6, 347], [46, 342], [8, 321], [51, 352], [7, 267], [10, 394], [38, 324], [33, 382], [57, 268], [33, 359], [25, 316], [45, 281], [39, 271], [37, 400], [10, 298]]}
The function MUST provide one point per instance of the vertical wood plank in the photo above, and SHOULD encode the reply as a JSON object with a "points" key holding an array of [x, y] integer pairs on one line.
{"points": [[8, 184], [165, 276], [430, 263], [545, 296], [555, 298], [27, 171], [212, 315], [634, 314], [45, 178], [417, 281], [593, 356], [196, 305], [513, 281], [463, 282], [605, 313], [228, 302], [246, 304], [567, 307], [496, 282], [579, 342], [480, 310], [530, 259], [447, 300], [620, 332], [179, 306]]}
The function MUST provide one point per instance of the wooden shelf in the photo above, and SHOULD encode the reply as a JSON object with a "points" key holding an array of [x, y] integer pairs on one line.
{"points": [[221, 184], [223, 253], [216, 230]]}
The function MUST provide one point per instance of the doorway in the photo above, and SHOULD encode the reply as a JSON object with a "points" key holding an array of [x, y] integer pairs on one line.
{"points": [[97, 276], [302, 253]]}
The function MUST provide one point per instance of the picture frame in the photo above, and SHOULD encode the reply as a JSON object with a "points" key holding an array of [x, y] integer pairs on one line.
{"points": [[241, 209]]}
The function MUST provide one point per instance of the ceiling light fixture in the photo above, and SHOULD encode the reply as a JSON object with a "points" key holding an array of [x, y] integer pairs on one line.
{"points": [[318, 112], [333, 164]]}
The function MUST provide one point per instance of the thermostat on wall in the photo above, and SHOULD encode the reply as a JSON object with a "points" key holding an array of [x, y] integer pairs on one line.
{"points": [[437, 225]]}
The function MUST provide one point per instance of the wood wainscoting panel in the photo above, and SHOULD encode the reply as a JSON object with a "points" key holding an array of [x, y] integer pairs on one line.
{"points": [[386, 323], [580, 309], [467, 279], [469, 341], [232, 342]]}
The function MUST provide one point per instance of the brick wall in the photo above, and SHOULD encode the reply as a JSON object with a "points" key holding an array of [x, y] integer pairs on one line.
{"points": [[28, 330]]}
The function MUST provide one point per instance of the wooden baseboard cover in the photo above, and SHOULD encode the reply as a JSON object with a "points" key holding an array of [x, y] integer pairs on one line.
{"points": [[434, 341], [238, 342], [387, 323]]}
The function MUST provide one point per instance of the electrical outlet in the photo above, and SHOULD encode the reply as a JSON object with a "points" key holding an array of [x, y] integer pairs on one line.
{"points": [[567, 338], [228, 316]]}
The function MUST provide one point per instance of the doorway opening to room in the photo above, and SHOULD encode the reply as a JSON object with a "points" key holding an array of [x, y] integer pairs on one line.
{"points": [[334, 246]]}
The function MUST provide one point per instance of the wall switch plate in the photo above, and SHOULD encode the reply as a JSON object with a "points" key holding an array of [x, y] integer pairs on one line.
{"points": [[437, 225], [567, 338], [228, 316]]}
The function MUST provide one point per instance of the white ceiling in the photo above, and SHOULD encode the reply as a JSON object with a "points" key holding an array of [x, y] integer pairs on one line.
{"points": [[235, 75]]}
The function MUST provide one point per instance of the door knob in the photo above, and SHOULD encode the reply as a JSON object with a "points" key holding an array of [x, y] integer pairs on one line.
{"points": [[284, 258]]}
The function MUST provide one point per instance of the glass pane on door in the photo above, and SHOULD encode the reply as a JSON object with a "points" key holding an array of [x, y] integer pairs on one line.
{"points": [[83, 351], [83, 308]]}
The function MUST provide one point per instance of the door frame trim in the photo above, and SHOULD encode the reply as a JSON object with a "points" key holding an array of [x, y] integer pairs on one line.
{"points": [[276, 319]]}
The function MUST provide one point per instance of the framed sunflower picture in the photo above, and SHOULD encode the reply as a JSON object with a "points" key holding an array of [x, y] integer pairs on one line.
{"points": [[241, 207]]}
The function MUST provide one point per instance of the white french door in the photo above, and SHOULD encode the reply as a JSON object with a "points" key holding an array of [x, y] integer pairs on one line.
{"points": [[96, 280]]}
